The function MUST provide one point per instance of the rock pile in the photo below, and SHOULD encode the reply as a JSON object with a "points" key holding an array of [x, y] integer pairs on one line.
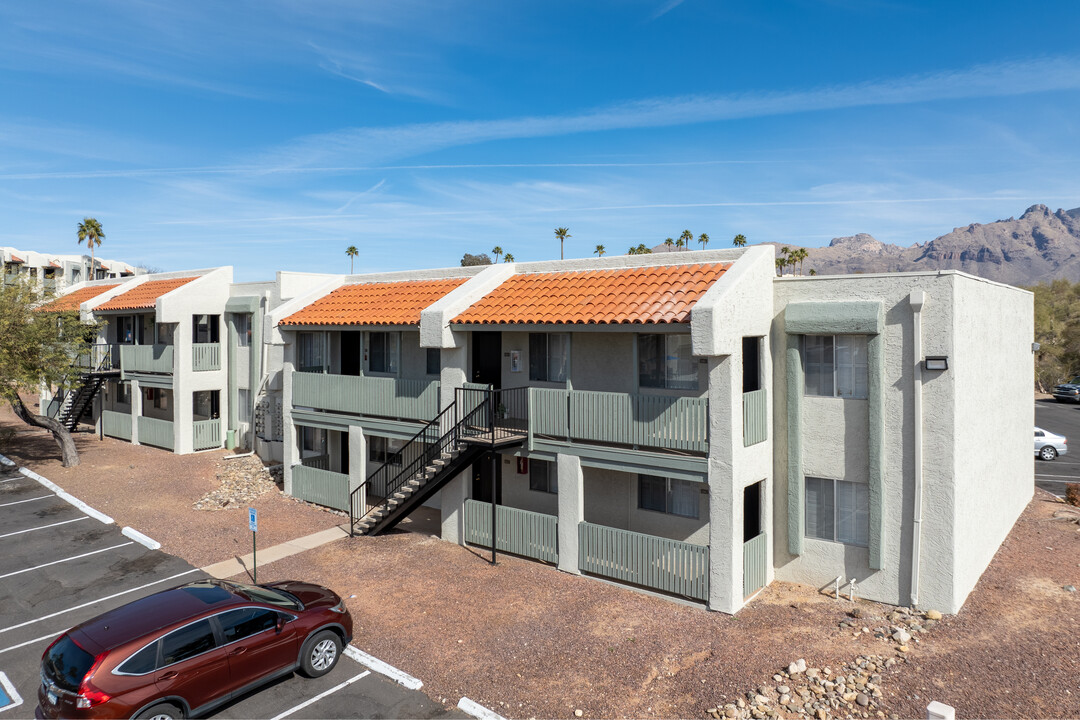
{"points": [[853, 690], [242, 480]]}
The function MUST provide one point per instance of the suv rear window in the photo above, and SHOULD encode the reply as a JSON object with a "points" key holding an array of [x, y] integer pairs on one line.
{"points": [[141, 662], [66, 664]]}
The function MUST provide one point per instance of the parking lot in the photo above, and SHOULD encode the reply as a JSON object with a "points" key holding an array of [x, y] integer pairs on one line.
{"points": [[60, 565], [1063, 419]]}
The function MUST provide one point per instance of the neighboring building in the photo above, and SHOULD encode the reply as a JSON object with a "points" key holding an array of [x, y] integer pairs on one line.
{"points": [[685, 421], [56, 273]]}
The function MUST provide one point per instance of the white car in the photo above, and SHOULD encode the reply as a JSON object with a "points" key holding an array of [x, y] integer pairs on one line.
{"points": [[1048, 445]]}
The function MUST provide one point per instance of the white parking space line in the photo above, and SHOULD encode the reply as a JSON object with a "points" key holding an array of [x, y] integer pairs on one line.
{"points": [[11, 692], [382, 668], [43, 527], [57, 562], [321, 695], [470, 707], [29, 642], [20, 502], [94, 602], [8, 480], [66, 496], [1044, 478]]}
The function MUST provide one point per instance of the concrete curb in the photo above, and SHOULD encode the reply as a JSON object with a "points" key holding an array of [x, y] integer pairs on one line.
{"points": [[67, 497], [382, 668], [6, 462], [477, 710], [138, 537]]}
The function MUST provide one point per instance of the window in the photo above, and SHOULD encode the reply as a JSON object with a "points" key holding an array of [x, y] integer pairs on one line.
{"points": [[667, 361], [542, 477], [123, 393], [243, 405], [141, 662], [205, 404], [310, 348], [384, 450], [159, 397], [384, 349], [204, 328], [835, 365], [242, 323], [838, 510], [549, 356], [245, 622], [312, 441], [125, 329], [166, 333], [434, 361], [187, 642], [668, 495]]}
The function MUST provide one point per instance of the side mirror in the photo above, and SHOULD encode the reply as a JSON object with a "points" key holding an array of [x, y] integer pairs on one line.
{"points": [[280, 622]]}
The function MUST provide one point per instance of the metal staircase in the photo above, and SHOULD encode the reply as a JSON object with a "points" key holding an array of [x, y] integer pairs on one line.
{"points": [[82, 393], [477, 422]]}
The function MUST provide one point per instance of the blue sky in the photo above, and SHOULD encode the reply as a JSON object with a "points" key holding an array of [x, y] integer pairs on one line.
{"points": [[273, 134]]}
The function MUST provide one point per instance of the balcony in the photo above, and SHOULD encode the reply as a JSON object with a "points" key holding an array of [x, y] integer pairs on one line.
{"points": [[376, 396], [205, 356], [755, 418], [99, 356], [146, 358], [645, 421], [158, 433], [206, 434]]}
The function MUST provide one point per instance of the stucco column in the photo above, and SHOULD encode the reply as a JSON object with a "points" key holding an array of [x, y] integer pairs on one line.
{"points": [[136, 410], [453, 373], [725, 493], [571, 510], [183, 417], [453, 496], [289, 453], [357, 457], [230, 359]]}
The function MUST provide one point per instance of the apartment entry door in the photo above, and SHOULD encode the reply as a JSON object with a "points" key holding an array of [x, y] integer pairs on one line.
{"points": [[481, 482], [351, 354], [487, 358]]}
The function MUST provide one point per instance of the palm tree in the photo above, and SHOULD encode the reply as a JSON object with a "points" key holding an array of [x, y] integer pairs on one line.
{"points": [[703, 239], [800, 255], [739, 241], [812, 272], [497, 251], [352, 252], [669, 242], [642, 250], [599, 251], [562, 234], [508, 258], [686, 238], [90, 231]]}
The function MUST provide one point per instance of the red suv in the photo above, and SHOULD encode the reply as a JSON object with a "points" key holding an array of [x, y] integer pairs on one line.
{"points": [[184, 651]]}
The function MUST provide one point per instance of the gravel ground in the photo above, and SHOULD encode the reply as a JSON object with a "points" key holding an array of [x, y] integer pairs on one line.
{"points": [[530, 641]]}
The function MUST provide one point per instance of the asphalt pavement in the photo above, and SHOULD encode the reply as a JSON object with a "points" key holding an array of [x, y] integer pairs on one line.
{"points": [[62, 564], [1063, 419]]}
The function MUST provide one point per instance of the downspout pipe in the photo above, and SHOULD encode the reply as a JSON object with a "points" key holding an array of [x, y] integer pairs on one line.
{"points": [[917, 299]]}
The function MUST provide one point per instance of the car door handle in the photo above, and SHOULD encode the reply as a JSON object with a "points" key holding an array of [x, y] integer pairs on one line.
{"points": [[168, 676], [239, 651]]}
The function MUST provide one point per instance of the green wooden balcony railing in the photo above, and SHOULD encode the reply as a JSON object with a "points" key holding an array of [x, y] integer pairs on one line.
{"points": [[207, 434], [521, 532], [654, 562], [205, 356], [321, 486], [155, 432], [381, 397], [116, 424], [755, 417], [146, 358], [657, 421], [755, 557]]}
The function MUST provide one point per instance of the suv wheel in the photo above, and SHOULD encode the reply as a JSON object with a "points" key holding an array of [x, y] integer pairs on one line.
{"points": [[320, 654], [1048, 452], [164, 711]]}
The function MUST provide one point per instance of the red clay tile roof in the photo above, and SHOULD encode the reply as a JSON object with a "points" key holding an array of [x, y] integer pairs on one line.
{"points": [[73, 300], [15, 259], [54, 264], [388, 303], [143, 296], [641, 295]]}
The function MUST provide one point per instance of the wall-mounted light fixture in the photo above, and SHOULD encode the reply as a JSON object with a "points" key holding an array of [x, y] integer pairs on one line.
{"points": [[937, 362]]}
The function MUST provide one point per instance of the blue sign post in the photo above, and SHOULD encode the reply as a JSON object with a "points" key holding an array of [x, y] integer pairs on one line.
{"points": [[253, 523]]}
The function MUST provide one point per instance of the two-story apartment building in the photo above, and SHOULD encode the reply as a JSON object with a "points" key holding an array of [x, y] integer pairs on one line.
{"points": [[55, 273], [686, 422]]}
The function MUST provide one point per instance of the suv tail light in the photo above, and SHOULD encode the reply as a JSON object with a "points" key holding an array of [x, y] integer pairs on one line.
{"points": [[89, 696]]}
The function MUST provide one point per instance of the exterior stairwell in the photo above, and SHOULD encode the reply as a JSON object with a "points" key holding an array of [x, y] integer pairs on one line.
{"points": [[82, 393], [469, 428]]}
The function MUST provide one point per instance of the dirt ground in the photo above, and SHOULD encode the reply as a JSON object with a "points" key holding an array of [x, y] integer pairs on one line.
{"points": [[529, 641]]}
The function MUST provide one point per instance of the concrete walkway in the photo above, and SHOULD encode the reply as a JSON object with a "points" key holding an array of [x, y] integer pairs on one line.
{"points": [[238, 565]]}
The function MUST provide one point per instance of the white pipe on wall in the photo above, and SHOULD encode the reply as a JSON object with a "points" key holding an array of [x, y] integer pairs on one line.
{"points": [[917, 299]]}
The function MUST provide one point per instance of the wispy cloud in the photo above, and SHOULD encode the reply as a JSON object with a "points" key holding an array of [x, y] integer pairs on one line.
{"points": [[374, 144], [665, 8]]}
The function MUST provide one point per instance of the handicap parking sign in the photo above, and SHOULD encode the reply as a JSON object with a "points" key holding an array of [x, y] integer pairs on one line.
{"points": [[253, 519]]}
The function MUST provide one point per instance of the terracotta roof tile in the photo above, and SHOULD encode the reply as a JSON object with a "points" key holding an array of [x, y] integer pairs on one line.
{"points": [[73, 300], [641, 295], [15, 259], [389, 303], [143, 296]]}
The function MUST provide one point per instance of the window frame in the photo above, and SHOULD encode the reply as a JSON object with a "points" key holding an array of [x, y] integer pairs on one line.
{"points": [[859, 371], [669, 505], [436, 354], [863, 509], [540, 358], [391, 359], [311, 347], [660, 355], [384, 455], [550, 480]]}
